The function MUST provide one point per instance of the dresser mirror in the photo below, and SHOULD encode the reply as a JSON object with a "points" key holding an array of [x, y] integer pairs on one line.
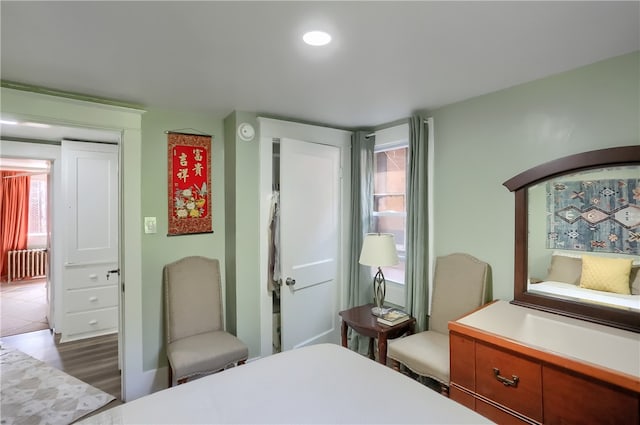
{"points": [[567, 210]]}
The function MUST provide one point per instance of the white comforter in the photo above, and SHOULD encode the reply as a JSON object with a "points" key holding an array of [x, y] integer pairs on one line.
{"points": [[567, 290], [323, 383]]}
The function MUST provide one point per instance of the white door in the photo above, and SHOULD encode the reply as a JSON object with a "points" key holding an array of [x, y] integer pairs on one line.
{"points": [[309, 242], [91, 269]]}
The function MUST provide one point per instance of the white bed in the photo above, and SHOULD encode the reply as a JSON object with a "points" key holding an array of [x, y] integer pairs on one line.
{"points": [[323, 383], [575, 292]]}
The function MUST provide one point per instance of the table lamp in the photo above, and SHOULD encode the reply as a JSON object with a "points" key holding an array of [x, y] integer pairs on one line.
{"points": [[379, 250]]}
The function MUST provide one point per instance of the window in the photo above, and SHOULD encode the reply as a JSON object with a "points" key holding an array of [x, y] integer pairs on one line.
{"points": [[389, 213], [37, 237], [389, 202]]}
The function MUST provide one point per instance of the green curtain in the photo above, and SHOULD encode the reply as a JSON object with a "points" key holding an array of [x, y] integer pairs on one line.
{"points": [[359, 285], [417, 266]]}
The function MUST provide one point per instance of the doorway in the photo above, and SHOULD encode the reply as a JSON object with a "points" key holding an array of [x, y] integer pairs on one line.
{"points": [[24, 283], [55, 318], [321, 286], [59, 117]]}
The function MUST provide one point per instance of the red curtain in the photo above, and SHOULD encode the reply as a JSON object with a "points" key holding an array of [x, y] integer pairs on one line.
{"points": [[14, 215]]}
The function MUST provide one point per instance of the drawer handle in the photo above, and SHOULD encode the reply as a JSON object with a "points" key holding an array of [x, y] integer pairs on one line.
{"points": [[93, 299], [513, 382], [93, 322]]}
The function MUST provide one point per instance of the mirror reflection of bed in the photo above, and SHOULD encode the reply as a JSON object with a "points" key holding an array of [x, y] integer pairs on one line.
{"points": [[563, 281], [568, 220]]}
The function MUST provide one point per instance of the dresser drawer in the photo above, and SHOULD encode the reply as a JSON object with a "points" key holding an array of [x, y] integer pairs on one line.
{"points": [[78, 300], [497, 415], [511, 381], [462, 397], [92, 322], [569, 398], [81, 277], [462, 359]]}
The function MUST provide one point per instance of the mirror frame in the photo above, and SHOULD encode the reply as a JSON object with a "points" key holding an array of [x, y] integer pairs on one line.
{"points": [[609, 316]]}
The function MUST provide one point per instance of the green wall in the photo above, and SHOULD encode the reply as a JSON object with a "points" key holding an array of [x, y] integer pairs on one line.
{"points": [[482, 142], [159, 249], [235, 224], [242, 171]]}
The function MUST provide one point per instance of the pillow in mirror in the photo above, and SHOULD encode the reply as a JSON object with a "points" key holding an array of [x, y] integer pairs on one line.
{"points": [[565, 269], [571, 254], [606, 274], [635, 280]]}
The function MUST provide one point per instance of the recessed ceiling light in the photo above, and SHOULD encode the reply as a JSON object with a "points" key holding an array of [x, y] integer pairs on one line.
{"points": [[316, 38]]}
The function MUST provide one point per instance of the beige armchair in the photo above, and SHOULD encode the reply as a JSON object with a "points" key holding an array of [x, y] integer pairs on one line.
{"points": [[459, 286], [197, 343]]}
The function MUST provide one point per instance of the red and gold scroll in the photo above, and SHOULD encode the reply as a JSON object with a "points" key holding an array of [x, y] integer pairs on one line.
{"points": [[189, 184]]}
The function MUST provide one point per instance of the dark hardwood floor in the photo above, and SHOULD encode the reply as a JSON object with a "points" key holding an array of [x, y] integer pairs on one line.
{"points": [[93, 360]]}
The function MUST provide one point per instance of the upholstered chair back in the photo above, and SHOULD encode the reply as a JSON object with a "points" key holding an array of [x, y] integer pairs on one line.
{"points": [[193, 297], [459, 287]]}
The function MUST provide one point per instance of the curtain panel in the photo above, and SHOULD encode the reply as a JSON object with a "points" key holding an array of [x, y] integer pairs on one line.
{"points": [[359, 286], [417, 261], [14, 214]]}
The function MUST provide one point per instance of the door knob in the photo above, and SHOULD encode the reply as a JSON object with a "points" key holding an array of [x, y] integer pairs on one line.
{"points": [[290, 282]]}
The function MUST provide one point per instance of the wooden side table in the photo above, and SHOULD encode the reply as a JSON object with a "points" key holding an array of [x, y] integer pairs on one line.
{"points": [[362, 321]]}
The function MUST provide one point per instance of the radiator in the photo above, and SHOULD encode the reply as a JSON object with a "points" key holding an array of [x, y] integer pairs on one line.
{"points": [[26, 264]]}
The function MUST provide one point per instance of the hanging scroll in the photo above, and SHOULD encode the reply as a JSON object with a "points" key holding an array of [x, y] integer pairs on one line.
{"points": [[189, 194]]}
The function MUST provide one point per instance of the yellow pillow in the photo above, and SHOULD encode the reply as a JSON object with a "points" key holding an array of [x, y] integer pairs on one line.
{"points": [[606, 274]]}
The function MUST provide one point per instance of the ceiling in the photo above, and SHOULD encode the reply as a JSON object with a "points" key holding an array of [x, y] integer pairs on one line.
{"points": [[386, 60]]}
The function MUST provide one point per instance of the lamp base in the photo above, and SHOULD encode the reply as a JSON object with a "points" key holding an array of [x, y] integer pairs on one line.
{"points": [[379, 291]]}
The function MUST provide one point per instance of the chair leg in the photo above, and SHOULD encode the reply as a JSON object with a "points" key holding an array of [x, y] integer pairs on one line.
{"points": [[180, 381], [183, 380], [444, 389], [395, 365]]}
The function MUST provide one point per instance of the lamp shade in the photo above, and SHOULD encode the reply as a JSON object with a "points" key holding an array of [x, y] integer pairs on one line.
{"points": [[379, 250]]}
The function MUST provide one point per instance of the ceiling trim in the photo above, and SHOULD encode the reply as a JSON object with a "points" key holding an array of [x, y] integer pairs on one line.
{"points": [[68, 95]]}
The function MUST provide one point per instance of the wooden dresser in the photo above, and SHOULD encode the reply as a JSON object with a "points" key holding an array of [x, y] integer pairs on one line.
{"points": [[519, 365]]}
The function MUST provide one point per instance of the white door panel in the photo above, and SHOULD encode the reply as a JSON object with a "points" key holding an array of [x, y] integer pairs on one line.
{"points": [[309, 208], [91, 202], [308, 316], [313, 273]]}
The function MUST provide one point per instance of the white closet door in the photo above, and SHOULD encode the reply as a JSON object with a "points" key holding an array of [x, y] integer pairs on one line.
{"points": [[309, 240], [90, 268]]}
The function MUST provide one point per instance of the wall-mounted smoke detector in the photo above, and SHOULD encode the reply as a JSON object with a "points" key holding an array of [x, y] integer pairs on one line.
{"points": [[246, 132]]}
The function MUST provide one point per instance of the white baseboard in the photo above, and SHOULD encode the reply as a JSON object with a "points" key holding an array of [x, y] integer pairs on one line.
{"points": [[155, 380], [149, 382]]}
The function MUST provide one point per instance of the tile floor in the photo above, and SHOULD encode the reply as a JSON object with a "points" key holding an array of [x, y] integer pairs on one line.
{"points": [[23, 307]]}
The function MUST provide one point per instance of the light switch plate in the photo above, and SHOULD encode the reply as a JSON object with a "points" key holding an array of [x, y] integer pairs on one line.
{"points": [[150, 225]]}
